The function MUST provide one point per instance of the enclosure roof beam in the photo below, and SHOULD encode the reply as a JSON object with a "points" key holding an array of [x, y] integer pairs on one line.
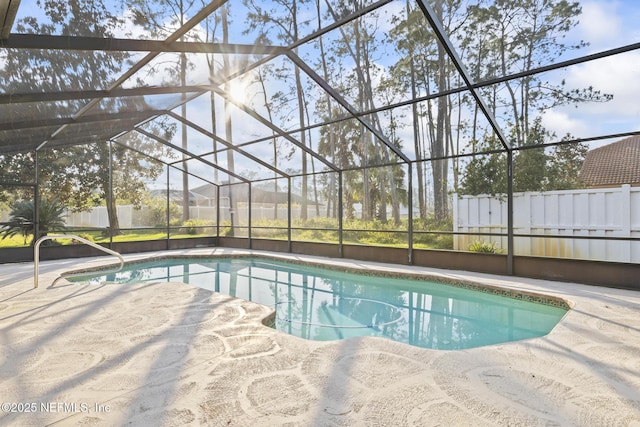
{"points": [[202, 14], [339, 22], [20, 98], [128, 147], [345, 104], [492, 81], [275, 128], [54, 42], [441, 35], [226, 144], [8, 13], [94, 118], [334, 25], [558, 65], [190, 154]]}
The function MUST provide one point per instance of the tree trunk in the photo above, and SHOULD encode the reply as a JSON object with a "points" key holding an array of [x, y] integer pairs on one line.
{"points": [[303, 136], [228, 130], [112, 214], [440, 166], [185, 142], [416, 141], [274, 141], [332, 205]]}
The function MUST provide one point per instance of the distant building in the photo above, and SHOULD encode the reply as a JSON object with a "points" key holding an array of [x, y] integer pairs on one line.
{"points": [[176, 196], [613, 165], [241, 194]]}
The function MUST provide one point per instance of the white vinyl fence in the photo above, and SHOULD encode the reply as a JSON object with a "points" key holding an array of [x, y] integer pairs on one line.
{"points": [[602, 212], [265, 211], [129, 217]]}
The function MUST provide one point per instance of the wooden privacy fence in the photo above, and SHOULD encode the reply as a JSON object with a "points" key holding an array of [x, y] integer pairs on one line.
{"points": [[574, 214]]}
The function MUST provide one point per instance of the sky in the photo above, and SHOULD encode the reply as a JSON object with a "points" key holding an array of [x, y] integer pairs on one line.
{"points": [[604, 24]]}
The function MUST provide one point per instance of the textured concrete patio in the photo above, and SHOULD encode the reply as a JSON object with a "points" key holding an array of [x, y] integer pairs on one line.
{"points": [[171, 354]]}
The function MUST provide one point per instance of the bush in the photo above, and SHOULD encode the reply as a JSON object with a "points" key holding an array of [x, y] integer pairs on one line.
{"points": [[158, 207], [194, 226], [485, 247], [51, 214]]}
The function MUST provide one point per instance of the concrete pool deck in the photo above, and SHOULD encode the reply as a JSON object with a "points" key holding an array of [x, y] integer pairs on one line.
{"points": [[171, 354]]}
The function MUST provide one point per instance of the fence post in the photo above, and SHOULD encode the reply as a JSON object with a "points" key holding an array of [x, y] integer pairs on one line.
{"points": [[289, 222], [410, 216], [526, 220], [456, 202], [625, 219], [510, 239]]}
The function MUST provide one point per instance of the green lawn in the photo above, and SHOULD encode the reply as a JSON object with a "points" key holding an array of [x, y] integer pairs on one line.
{"points": [[15, 241], [372, 233], [96, 236]]}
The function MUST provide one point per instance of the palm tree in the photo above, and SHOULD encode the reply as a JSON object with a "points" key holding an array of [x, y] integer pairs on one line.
{"points": [[51, 215]]}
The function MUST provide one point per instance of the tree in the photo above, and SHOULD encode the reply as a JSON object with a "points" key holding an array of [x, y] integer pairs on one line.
{"points": [[517, 36], [221, 73], [425, 69], [356, 70], [161, 18], [51, 216], [505, 37], [494, 38], [564, 166], [77, 174], [343, 154], [486, 174], [81, 178], [328, 137], [405, 74], [537, 168], [228, 128], [286, 21], [530, 170]]}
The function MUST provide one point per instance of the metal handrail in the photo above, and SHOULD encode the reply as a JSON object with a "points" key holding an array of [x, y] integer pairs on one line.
{"points": [[36, 256]]}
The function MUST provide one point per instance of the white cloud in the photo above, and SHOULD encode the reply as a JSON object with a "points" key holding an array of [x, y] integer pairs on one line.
{"points": [[604, 24], [561, 123], [385, 22], [615, 75], [128, 29], [600, 22]]}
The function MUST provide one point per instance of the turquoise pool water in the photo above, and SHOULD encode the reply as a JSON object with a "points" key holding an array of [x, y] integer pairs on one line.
{"points": [[323, 304]]}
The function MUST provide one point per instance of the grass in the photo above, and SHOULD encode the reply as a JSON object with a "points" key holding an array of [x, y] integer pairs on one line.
{"points": [[372, 233], [97, 237], [15, 241]]}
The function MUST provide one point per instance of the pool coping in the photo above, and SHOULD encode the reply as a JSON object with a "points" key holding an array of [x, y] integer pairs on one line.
{"points": [[332, 264]]}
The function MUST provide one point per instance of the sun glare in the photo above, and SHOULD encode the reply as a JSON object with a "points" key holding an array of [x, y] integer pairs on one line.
{"points": [[237, 89]]}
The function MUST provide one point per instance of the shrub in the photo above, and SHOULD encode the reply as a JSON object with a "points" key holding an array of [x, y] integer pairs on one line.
{"points": [[158, 207], [51, 216], [485, 247], [194, 226]]}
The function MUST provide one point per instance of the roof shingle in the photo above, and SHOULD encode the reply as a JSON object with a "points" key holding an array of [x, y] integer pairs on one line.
{"points": [[614, 164]]}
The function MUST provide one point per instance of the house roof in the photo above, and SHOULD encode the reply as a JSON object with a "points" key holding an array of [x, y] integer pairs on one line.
{"points": [[613, 164], [258, 195], [176, 196]]}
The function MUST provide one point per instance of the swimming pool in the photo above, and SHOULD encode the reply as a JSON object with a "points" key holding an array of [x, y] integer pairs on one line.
{"points": [[324, 304]]}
